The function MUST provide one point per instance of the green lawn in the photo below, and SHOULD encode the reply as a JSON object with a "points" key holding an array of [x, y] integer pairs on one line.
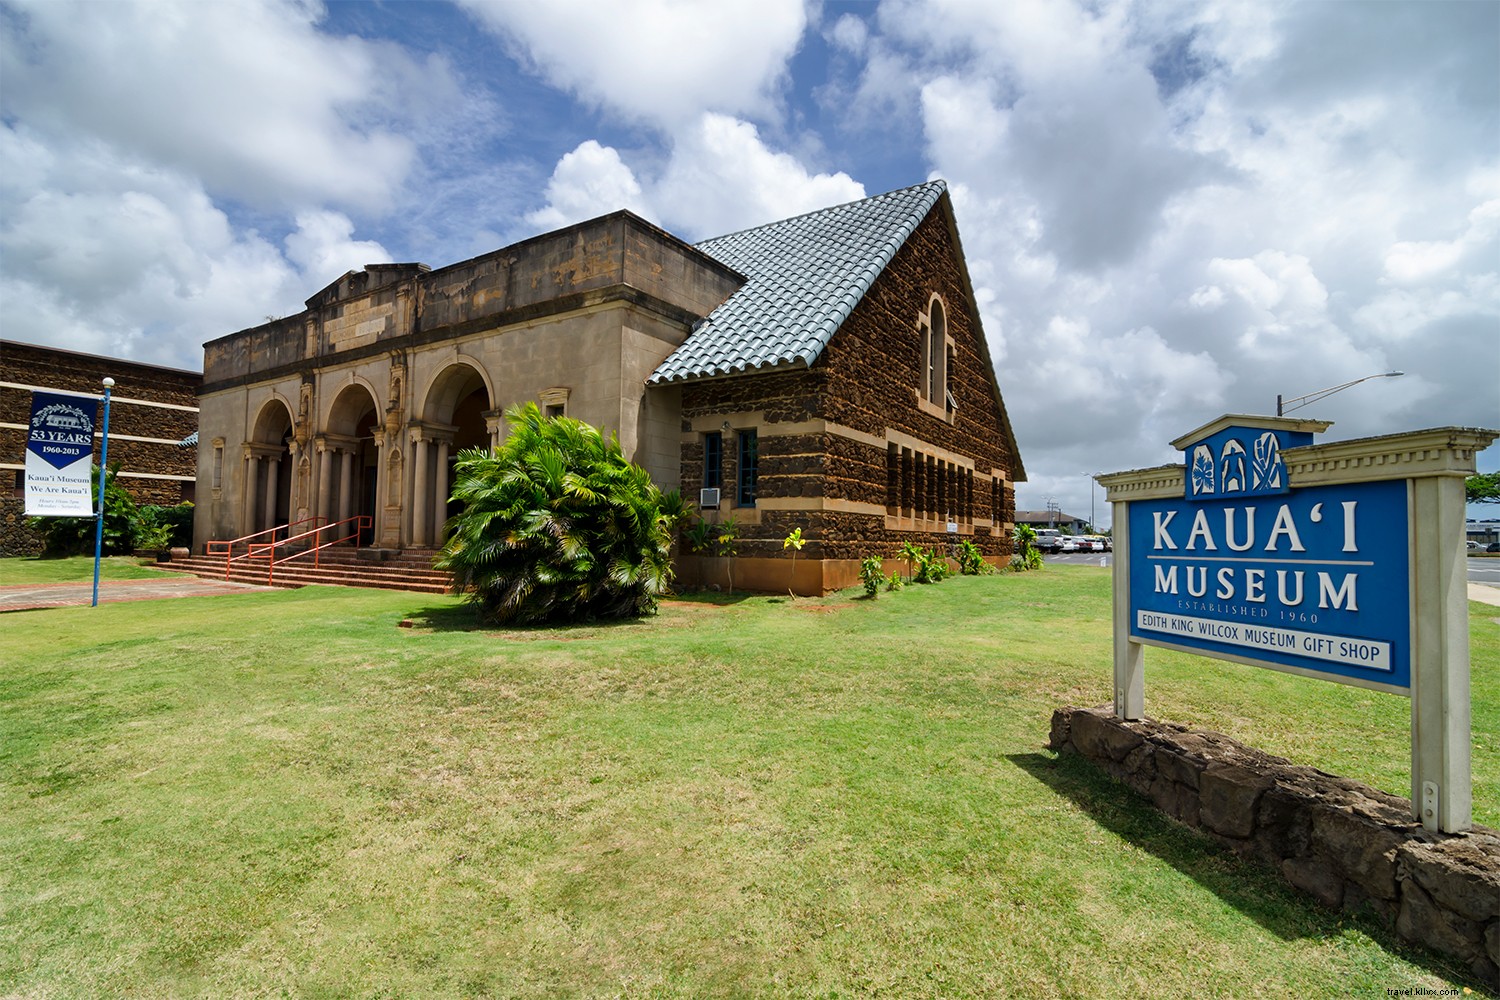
{"points": [[271, 794], [76, 569]]}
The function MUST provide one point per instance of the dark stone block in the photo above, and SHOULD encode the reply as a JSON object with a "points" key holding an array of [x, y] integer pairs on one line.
{"points": [[1314, 877], [1059, 738], [1227, 797], [1140, 769], [1283, 822], [1423, 921], [1089, 732], [1461, 874], [1178, 801], [1179, 767], [1363, 848]]}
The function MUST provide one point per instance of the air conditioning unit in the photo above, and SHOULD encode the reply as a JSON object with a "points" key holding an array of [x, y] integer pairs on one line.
{"points": [[708, 498]]}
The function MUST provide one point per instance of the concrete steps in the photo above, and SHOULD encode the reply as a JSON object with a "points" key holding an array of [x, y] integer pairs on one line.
{"points": [[337, 567]]}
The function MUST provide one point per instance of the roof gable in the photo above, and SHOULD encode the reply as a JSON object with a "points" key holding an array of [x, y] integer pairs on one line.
{"points": [[804, 276]]}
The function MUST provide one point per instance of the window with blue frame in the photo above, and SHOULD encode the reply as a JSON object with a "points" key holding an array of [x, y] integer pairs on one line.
{"points": [[749, 467], [713, 461]]}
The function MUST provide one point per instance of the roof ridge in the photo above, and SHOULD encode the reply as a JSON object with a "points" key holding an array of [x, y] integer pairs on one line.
{"points": [[935, 182]]}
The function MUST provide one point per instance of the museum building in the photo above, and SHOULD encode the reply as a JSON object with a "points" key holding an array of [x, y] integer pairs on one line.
{"points": [[827, 372]]}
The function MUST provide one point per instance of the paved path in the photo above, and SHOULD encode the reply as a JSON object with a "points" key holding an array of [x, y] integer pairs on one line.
{"points": [[1484, 592], [27, 597]]}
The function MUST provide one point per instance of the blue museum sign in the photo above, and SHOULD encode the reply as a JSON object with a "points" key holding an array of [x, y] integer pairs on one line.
{"points": [[1244, 567]]}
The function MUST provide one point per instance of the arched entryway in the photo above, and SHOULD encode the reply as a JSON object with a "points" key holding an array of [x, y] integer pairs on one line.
{"points": [[267, 499], [457, 415], [349, 459]]}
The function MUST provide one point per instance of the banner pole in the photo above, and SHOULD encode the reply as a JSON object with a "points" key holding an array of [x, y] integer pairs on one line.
{"points": [[103, 469]]}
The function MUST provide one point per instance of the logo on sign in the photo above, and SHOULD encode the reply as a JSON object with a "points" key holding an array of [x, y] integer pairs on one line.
{"points": [[60, 433]]}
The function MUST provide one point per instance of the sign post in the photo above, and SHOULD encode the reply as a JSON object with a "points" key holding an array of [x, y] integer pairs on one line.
{"points": [[1339, 561], [109, 384]]}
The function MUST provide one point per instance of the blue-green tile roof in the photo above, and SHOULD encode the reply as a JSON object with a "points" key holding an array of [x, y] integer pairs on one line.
{"points": [[804, 276]]}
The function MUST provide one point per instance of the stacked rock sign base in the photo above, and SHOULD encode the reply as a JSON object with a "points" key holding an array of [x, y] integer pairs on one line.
{"points": [[1345, 844]]}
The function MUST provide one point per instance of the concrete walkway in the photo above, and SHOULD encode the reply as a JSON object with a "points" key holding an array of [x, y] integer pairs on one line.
{"points": [[27, 597], [1484, 592]]}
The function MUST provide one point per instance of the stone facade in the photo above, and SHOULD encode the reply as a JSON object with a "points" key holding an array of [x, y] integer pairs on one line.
{"points": [[850, 451], [1346, 845], [151, 409], [358, 405]]}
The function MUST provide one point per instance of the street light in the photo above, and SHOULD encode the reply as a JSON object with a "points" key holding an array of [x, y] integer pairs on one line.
{"points": [[1092, 527], [1297, 402]]}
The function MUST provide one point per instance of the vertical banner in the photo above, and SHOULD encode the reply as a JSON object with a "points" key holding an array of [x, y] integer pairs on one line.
{"points": [[59, 455]]}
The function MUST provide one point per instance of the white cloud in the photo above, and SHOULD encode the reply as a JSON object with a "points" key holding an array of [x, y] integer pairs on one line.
{"points": [[850, 33], [720, 177], [323, 249], [592, 180], [250, 97], [659, 61], [723, 177], [108, 256]]}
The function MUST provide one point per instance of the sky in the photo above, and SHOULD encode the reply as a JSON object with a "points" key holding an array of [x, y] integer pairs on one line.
{"points": [[1169, 211]]}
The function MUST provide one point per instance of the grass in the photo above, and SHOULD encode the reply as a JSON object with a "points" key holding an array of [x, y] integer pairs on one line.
{"points": [[74, 569], [270, 794]]}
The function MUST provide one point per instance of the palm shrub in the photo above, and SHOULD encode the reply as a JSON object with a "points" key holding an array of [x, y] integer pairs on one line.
{"points": [[971, 560], [1028, 555], [557, 526]]}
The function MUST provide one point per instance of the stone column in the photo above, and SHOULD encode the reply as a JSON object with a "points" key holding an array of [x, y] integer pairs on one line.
{"points": [[377, 516], [325, 480], [252, 485], [346, 484], [440, 491], [273, 476], [494, 422], [419, 491]]}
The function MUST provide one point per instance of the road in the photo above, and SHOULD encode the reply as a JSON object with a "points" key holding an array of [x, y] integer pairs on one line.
{"points": [[1480, 570]]}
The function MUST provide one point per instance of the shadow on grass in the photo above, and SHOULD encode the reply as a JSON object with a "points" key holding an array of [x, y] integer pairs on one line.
{"points": [[462, 617], [1247, 885]]}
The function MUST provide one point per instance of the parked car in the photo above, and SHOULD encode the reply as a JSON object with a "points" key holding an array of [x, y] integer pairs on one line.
{"points": [[1101, 543], [1048, 539], [1473, 545], [1083, 543], [1068, 544], [1492, 547]]}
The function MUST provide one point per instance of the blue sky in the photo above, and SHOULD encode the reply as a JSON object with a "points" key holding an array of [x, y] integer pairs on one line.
{"points": [[1170, 211]]}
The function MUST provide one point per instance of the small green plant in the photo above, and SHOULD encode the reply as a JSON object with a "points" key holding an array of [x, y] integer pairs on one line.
{"points": [[931, 567], [971, 560], [793, 541], [872, 575], [164, 527], [894, 582], [1027, 555], [699, 536], [912, 554], [725, 535]]}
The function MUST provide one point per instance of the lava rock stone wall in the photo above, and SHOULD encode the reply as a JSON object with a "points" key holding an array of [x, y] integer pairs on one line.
{"points": [[1345, 844], [866, 379]]}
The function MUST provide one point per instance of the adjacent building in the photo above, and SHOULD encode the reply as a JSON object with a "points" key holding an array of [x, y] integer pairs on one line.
{"points": [[152, 410], [827, 372]]}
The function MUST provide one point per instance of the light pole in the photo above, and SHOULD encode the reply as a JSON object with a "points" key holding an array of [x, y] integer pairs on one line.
{"points": [[1093, 530], [109, 384], [1297, 402]]}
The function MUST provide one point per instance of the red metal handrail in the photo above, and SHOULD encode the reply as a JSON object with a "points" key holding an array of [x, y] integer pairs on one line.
{"points": [[226, 549], [267, 550]]}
